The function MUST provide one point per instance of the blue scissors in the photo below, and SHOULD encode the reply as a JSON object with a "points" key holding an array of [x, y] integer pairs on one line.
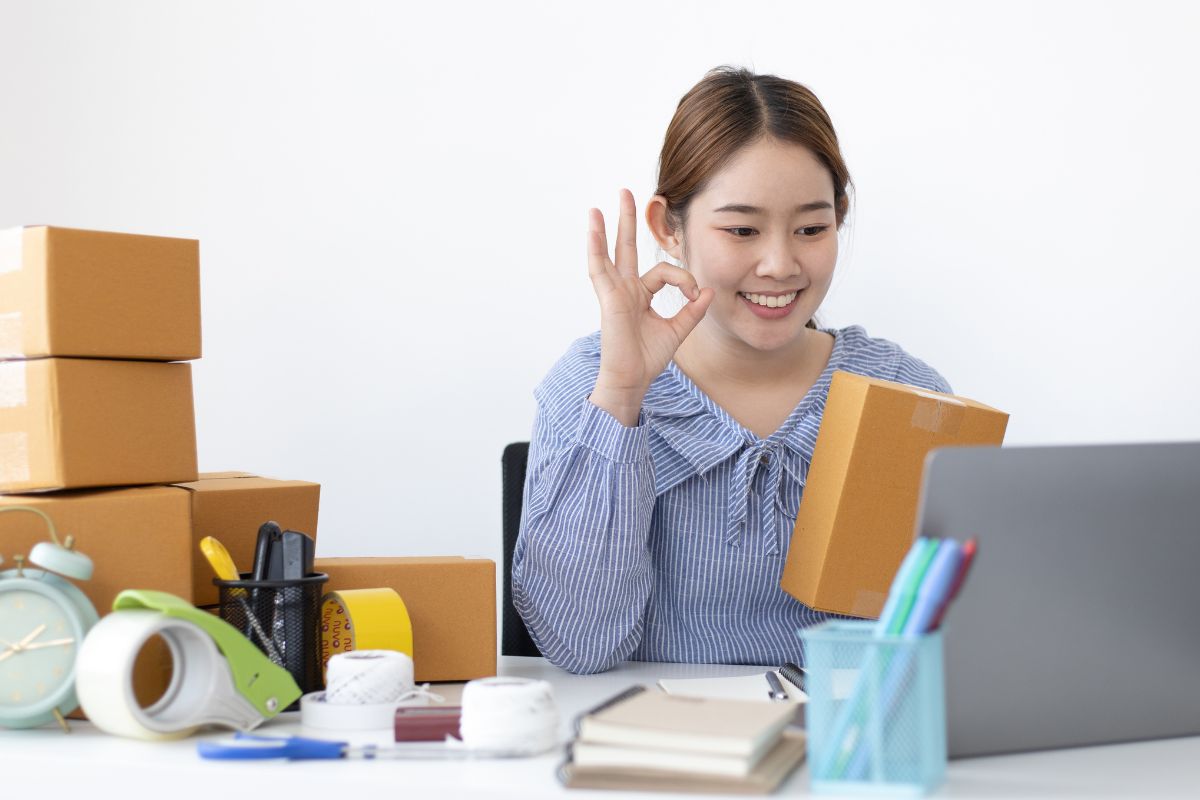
{"points": [[245, 746]]}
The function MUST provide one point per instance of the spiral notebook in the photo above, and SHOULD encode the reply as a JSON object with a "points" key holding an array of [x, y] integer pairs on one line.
{"points": [[740, 687]]}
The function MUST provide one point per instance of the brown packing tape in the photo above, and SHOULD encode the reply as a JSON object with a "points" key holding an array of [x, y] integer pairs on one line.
{"points": [[867, 604]]}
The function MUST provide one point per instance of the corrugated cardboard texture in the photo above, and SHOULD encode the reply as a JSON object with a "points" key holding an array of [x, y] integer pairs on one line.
{"points": [[231, 505], [146, 538], [69, 423], [137, 539], [858, 513], [451, 602], [101, 295]]}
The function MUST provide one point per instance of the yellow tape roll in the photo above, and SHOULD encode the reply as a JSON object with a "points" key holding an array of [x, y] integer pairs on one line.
{"points": [[364, 619]]}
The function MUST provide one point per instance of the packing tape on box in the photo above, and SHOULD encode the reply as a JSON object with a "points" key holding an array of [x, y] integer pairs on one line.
{"points": [[12, 249], [12, 331], [363, 690], [219, 677], [14, 385], [14, 457], [364, 619]]}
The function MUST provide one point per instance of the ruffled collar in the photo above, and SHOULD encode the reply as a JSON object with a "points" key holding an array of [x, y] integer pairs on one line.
{"points": [[690, 435]]}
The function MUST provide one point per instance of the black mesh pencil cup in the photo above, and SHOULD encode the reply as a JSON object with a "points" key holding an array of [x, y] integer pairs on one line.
{"points": [[282, 619]]}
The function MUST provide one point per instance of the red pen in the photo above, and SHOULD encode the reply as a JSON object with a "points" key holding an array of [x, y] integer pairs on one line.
{"points": [[968, 557]]}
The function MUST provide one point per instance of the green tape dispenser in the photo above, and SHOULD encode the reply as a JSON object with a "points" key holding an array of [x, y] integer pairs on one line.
{"points": [[219, 676]]}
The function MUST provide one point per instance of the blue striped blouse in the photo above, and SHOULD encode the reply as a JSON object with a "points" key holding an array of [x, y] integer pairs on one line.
{"points": [[666, 541]]}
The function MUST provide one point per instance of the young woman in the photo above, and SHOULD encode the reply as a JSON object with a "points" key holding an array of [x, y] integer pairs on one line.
{"points": [[669, 455]]}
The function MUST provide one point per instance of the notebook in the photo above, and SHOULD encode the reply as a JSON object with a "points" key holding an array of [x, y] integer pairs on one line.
{"points": [[695, 724], [766, 775]]}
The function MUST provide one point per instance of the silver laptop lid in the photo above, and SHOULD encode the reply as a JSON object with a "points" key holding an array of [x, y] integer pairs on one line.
{"points": [[1080, 621]]}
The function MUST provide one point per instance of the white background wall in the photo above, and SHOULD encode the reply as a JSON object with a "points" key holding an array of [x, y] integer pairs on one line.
{"points": [[391, 204]]}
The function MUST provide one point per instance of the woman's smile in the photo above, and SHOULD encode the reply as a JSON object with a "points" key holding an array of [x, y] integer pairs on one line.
{"points": [[770, 306]]}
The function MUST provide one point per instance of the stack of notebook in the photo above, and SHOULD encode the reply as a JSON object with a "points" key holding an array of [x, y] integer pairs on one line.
{"points": [[650, 740]]}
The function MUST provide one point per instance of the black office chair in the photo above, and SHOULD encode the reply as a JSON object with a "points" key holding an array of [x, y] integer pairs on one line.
{"points": [[514, 638]]}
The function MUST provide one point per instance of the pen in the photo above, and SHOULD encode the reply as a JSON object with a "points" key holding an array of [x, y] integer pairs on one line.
{"points": [[775, 689]]}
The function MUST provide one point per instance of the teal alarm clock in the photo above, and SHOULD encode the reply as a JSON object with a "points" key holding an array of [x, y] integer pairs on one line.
{"points": [[43, 620]]}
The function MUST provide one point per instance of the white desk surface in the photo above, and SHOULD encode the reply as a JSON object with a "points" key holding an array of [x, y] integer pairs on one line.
{"points": [[87, 763]]}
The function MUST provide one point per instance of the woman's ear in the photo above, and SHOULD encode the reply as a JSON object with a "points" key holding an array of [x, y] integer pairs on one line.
{"points": [[670, 240]]}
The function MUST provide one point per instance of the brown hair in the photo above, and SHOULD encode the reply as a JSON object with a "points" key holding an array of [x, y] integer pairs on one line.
{"points": [[727, 110]]}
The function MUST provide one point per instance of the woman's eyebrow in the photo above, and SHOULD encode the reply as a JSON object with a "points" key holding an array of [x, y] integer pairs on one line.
{"points": [[741, 208]]}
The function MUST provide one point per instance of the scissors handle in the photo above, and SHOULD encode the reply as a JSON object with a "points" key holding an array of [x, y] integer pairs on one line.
{"points": [[245, 746]]}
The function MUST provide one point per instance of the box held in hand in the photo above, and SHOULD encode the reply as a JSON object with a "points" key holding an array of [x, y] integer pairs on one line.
{"points": [[858, 512]]}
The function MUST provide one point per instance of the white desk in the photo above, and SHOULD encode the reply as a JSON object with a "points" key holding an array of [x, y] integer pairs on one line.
{"points": [[87, 763]]}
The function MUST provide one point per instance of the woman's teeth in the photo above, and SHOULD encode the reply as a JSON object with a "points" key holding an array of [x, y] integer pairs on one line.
{"points": [[774, 301]]}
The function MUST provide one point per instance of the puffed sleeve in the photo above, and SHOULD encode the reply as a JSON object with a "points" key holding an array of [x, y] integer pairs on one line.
{"points": [[581, 567]]}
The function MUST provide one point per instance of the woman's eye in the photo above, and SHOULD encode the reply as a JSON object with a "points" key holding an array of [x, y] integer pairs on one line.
{"points": [[741, 232], [813, 230]]}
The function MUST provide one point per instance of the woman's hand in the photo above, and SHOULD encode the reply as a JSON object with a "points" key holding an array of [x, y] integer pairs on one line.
{"points": [[636, 343]]}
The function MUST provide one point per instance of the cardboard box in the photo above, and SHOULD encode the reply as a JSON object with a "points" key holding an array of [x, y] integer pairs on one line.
{"points": [[231, 505], [450, 600], [68, 423], [858, 512], [146, 538], [67, 292]]}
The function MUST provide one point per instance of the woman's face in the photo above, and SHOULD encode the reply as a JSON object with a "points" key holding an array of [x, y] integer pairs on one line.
{"points": [[763, 235]]}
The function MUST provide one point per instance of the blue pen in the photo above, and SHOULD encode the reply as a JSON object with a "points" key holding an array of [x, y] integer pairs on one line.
{"points": [[934, 588], [938, 582], [247, 747]]}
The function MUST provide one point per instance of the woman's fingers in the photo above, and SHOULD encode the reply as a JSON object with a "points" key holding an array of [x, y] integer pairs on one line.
{"points": [[599, 267], [664, 274], [690, 315], [626, 255]]}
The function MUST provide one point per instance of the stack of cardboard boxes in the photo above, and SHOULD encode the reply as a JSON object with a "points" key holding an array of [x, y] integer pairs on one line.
{"points": [[95, 393]]}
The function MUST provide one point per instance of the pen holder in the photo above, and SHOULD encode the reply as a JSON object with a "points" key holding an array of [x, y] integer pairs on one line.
{"points": [[282, 618], [876, 713]]}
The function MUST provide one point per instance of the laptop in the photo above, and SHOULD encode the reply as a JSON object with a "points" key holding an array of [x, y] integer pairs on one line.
{"points": [[1080, 621]]}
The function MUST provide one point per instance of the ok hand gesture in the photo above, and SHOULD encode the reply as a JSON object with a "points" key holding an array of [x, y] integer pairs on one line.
{"points": [[636, 343]]}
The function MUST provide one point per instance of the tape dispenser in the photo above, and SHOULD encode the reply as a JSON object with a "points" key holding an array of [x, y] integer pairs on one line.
{"points": [[219, 676]]}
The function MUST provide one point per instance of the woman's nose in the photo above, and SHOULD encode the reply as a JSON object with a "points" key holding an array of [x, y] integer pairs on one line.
{"points": [[779, 261]]}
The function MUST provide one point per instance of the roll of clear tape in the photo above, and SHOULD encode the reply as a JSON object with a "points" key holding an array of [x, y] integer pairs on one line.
{"points": [[201, 690], [517, 716], [366, 677]]}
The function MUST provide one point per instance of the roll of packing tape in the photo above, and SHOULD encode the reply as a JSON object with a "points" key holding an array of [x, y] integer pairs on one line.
{"points": [[364, 619], [365, 677], [201, 689], [513, 715]]}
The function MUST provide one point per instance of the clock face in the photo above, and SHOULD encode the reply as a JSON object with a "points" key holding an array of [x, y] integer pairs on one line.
{"points": [[38, 642]]}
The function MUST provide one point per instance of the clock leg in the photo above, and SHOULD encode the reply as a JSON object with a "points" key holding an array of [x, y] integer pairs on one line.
{"points": [[61, 721]]}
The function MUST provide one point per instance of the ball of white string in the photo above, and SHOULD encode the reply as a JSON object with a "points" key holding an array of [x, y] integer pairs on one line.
{"points": [[514, 715], [367, 677]]}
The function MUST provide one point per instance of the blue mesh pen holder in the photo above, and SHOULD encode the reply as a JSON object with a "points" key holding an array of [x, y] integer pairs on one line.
{"points": [[876, 713]]}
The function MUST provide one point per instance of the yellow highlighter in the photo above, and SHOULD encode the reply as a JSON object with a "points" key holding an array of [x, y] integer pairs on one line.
{"points": [[219, 559]]}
